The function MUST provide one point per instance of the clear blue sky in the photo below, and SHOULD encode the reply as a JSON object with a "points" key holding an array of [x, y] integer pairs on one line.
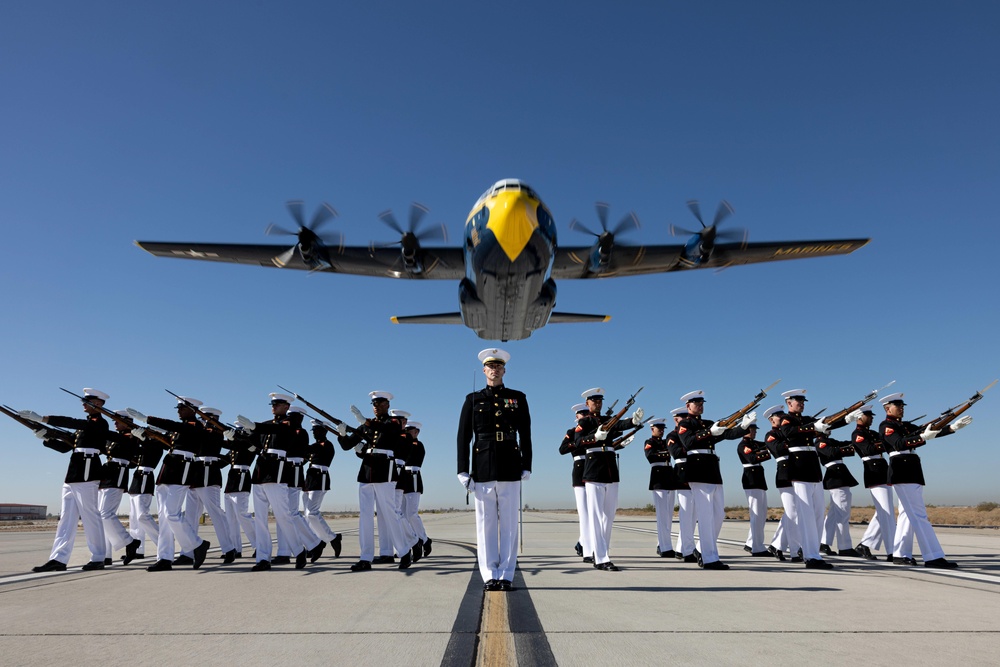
{"points": [[197, 121]]}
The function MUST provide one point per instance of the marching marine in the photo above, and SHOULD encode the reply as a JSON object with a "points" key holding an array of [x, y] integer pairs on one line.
{"points": [[663, 484]]}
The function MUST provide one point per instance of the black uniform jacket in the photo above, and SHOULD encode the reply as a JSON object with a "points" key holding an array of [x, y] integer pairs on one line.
{"points": [[276, 435], [831, 454], [185, 436], [242, 452], [803, 465], [900, 439], [410, 481], [868, 443], [496, 422], [751, 453], [601, 464], [661, 477], [694, 435], [677, 451], [91, 433], [568, 446], [384, 434], [321, 453], [778, 447], [209, 474], [147, 455], [120, 447]]}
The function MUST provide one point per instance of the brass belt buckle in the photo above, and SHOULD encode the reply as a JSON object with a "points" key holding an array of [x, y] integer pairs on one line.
{"points": [[499, 436]]}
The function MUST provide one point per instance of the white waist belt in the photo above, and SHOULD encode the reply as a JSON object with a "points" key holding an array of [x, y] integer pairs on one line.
{"points": [[700, 451], [579, 457], [86, 451], [600, 449], [384, 452], [802, 449], [680, 460], [413, 468], [239, 467], [181, 452], [313, 466], [832, 463], [208, 459], [781, 458], [900, 453], [657, 464], [280, 453], [872, 458], [145, 469], [751, 465], [121, 462], [295, 460]]}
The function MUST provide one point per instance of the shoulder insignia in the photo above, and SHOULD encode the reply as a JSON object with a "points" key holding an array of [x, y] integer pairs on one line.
{"points": [[785, 421], [859, 438], [822, 444], [889, 430], [747, 450], [578, 429], [770, 438], [648, 446], [682, 429]]}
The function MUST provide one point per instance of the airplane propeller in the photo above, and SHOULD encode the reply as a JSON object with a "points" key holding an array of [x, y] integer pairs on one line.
{"points": [[308, 236], [411, 237], [606, 238], [709, 233]]}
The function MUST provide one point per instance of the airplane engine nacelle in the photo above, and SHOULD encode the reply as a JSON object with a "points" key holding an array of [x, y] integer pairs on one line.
{"points": [[472, 307], [539, 310], [313, 254]]}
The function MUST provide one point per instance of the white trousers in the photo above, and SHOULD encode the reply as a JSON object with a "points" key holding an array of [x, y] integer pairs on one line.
{"points": [[757, 504], [663, 501], [685, 522], [497, 505], [786, 535], [914, 523], [411, 512], [79, 502], [709, 512], [274, 496], [141, 524], [290, 544], [838, 517], [586, 536], [602, 504], [238, 516], [882, 528], [209, 499], [115, 534], [381, 498], [409, 535], [170, 498], [312, 500], [808, 515]]}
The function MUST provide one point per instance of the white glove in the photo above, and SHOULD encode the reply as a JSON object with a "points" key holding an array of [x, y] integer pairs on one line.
{"points": [[42, 433], [600, 435], [139, 433], [637, 416], [360, 447], [929, 434], [135, 414], [717, 430], [961, 423], [748, 418], [525, 475], [229, 434], [853, 416], [32, 415], [341, 428], [247, 424], [357, 414], [821, 427], [465, 479]]}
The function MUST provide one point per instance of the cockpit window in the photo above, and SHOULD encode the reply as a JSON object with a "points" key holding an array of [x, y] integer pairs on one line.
{"points": [[509, 184]]}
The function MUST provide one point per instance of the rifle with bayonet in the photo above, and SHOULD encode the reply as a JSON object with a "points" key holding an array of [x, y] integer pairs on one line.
{"points": [[319, 410], [610, 424], [206, 417], [836, 420], [733, 419], [607, 413], [124, 421], [951, 414], [51, 431], [626, 438]]}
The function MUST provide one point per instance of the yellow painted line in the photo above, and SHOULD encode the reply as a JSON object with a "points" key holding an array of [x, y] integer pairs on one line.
{"points": [[496, 643]]}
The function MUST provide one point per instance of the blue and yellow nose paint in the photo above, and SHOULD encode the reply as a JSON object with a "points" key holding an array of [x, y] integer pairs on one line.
{"points": [[512, 217]]}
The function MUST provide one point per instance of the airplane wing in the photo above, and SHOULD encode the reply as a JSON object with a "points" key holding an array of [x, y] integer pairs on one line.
{"points": [[438, 263], [573, 262]]}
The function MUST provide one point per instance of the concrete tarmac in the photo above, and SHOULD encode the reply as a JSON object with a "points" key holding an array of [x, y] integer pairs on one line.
{"points": [[653, 611]]}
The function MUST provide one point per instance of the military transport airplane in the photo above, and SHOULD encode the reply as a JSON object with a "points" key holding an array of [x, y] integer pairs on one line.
{"points": [[509, 262]]}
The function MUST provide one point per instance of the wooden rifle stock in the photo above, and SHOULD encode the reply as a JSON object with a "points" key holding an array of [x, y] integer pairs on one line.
{"points": [[315, 408], [56, 433], [610, 424], [206, 417], [836, 420], [730, 421], [118, 419], [951, 414]]}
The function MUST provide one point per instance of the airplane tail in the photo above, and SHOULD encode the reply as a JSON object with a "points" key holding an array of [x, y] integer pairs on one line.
{"points": [[438, 318], [563, 318]]}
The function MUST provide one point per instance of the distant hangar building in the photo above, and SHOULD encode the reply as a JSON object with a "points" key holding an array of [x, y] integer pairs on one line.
{"points": [[16, 512]]}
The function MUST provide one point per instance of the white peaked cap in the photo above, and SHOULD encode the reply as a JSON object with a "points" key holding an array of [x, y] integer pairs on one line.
{"points": [[416, 425], [774, 409], [399, 413], [677, 412], [794, 392], [212, 411], [298, 409], [891, 398], [327, 425], [273, 396], [380, 394], [693, 395], [593, 391], [494, 354], [580, 407], [181, 400], [94, 393]]}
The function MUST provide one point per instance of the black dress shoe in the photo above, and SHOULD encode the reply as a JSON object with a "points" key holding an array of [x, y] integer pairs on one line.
{"points": [[796, 559], [774, 552], [131, 551], [200, 552], [109, 561], [941, 564], [607, 567], [491, 585], [427, 547], [579, 549], [715, 565], [281, 560], [417, 551], [51, 566], [678, 555], [383, 560], [746, 547], [239, 555], [825, 549], [849, 553], [667, 554], [697, 554], [902, 560], [361, 566], [300, 560], [262, 566], [588, 559], [93, 565], [405, 561], [336, 544], [160, 566], [229, 557], [865, 552], [888, 558], [184, 560], [758, 554], [818, 564], [317, 551], [506, 585], [690, 558]]}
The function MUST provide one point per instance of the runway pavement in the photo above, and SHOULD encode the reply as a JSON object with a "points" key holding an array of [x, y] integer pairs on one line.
{"points": [[563, 612]]}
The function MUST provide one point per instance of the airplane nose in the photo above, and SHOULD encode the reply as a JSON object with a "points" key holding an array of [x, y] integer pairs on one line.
{"points": [[513, 219]]}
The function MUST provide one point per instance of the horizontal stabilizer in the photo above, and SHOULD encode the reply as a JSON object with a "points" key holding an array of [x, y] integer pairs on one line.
{"points": [[563, 318], [439, 318]]}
